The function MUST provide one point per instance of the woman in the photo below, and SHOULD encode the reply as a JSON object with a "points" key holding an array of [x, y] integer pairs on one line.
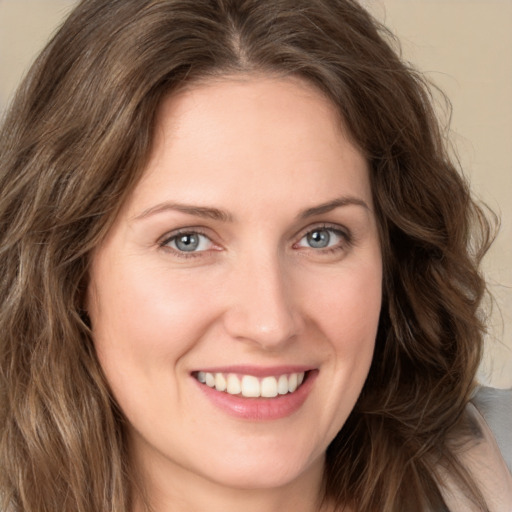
{"points": [[237, 271]]}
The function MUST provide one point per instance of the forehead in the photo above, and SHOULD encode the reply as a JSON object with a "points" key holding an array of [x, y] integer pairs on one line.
{"points": [[242, 137], [247, 105]]}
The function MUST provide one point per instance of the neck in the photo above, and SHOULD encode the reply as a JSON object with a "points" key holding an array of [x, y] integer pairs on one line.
{"points": [[184, 492]]}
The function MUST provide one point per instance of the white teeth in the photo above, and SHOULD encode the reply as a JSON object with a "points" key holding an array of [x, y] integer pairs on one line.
{"points": [[250, 386], [292, 382], [282, 385], [234, 387], [210, 380], [220, 382], [269, 387]]}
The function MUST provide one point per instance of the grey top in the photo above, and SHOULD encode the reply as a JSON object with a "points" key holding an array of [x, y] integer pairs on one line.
{"points": [[489, 460], [495, 405]]}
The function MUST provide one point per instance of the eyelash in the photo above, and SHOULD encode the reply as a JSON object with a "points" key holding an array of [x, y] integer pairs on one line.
{"points": [[345, 235], [164, 244]]}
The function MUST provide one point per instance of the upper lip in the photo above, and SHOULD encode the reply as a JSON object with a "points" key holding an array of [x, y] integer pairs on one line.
{"points": [[257, 371]]}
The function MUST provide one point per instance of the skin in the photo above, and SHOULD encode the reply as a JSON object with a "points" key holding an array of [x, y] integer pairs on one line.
{"points": [[263, 151]]}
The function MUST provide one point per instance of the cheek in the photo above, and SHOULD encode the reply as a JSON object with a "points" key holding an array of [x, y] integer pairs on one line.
{"points": [[347, 307], [141, 317], [347, 312]]}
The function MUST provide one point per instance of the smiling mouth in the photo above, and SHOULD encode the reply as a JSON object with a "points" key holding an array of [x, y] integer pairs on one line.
{"points": [[250, 386]]}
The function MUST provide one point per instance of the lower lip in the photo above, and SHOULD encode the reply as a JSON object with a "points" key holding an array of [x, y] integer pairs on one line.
{"points": [[260, 409]]}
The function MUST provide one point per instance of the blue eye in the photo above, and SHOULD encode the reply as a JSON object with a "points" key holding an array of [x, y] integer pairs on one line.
{"points": [[188, 242], [323, 238], [319, 239]]}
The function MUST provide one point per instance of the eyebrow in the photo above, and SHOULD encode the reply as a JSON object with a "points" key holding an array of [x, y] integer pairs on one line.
{"points": [[223, 216], [198, 211], [332, 205]]}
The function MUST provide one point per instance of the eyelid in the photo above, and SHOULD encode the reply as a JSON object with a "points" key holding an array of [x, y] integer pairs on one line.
{"points": [[166, 239], [344, 231], [341, 231]]}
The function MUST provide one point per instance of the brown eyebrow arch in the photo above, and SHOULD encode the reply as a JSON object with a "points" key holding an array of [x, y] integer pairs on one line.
{"points": [[198, 211], [332, 205], [223, 216]]}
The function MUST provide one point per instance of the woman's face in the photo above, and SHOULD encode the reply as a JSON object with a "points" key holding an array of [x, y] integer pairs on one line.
{"points": [[246, 261]]}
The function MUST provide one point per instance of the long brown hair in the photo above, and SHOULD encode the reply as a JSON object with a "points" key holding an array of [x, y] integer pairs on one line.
{"points": [[75, 142]]}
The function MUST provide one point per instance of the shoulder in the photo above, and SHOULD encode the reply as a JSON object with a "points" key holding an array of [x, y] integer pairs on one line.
{"points": [[495, 407], [489, 413]]}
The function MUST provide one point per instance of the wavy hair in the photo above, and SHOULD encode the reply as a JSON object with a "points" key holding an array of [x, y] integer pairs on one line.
{"points": [[74, 144]]}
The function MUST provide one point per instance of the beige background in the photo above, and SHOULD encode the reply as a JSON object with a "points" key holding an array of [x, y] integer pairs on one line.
{"points": [[465, 47]]}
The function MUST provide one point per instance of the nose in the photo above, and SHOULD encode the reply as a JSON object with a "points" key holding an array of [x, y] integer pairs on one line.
{"points": [[262, 308]]}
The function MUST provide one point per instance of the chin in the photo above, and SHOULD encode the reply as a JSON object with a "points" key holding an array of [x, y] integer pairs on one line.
{"points": [[263, 472], [256, 479]]}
